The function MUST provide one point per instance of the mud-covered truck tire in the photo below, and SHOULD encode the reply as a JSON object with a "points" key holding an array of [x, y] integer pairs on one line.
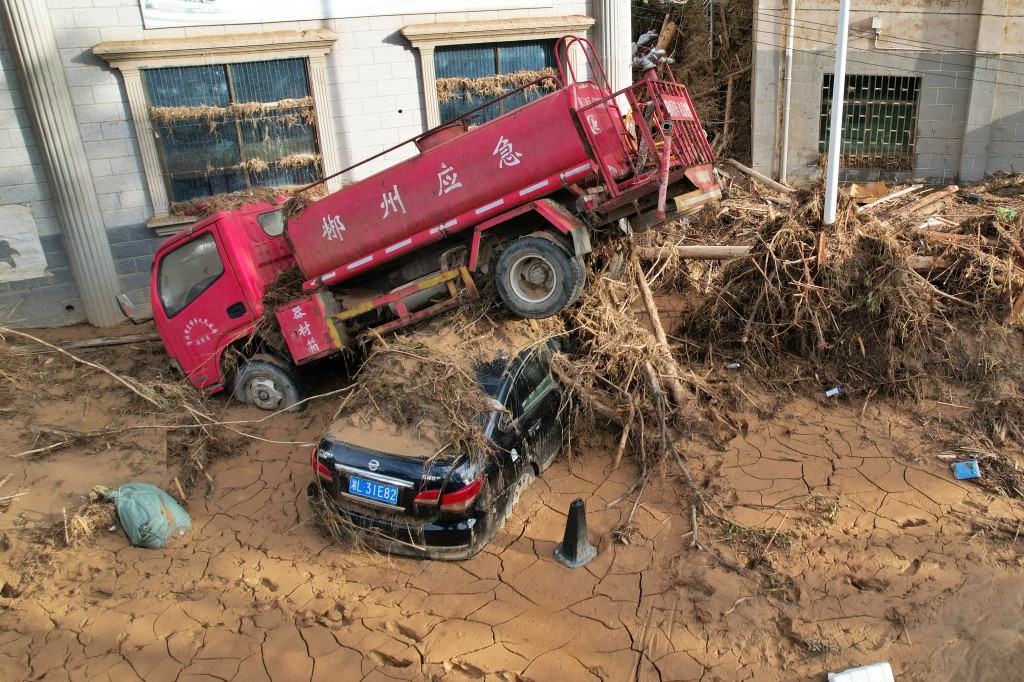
{"points": [[267, 383], [537, 278]]}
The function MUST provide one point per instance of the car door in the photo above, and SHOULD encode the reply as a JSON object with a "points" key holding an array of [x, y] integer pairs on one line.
{"points": [[534, 410]]}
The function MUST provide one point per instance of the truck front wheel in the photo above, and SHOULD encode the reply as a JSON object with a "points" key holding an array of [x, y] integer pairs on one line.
{"points": [[267, 383], [536, 278]]}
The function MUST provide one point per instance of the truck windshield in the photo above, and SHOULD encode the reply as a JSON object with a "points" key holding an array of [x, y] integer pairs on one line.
{"points": [[187, 272]]}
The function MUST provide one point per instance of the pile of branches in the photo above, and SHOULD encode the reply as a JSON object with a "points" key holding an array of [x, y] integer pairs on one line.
{"points": [[423, 390], [871, 304]]}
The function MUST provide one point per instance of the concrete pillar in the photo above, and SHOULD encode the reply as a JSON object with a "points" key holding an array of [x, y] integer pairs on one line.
{"points": [[44, 87], [613, 39], [978, 128]]}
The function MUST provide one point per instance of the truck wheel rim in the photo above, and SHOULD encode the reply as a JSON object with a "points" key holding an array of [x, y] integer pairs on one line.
{"points": [[533, 279], [264, 393]]}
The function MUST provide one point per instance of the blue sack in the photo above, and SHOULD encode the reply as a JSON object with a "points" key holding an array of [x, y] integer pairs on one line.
{"points": [[150, 516]]}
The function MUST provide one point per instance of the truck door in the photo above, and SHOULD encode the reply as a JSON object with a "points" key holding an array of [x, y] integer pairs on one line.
{"points": [[201, 305]]}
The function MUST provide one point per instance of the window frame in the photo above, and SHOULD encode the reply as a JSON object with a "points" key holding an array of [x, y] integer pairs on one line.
{"points": [[546, 45], [426, 37], [862, 113], [129, 57]]}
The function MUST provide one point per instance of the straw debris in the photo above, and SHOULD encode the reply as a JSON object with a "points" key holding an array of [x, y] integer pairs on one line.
{"points": [[291, 112], [494, 86]]}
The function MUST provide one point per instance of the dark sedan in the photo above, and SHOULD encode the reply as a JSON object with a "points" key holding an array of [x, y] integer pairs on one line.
{"points": [[449, 506]]}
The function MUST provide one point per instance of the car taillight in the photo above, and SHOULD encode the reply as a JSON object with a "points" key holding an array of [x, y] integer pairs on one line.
{"points": [[319, 468], [463, 497], [427, 497]]}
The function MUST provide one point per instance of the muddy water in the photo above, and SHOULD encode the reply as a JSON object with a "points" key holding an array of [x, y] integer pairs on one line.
{"points": [[869, 561]]}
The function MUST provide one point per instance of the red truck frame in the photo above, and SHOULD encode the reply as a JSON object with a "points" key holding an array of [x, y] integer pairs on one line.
{"points": [[517, 198]]}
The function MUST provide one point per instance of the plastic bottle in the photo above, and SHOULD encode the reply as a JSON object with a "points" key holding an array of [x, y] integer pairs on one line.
{"points": [[833, 392], [876, 672]]}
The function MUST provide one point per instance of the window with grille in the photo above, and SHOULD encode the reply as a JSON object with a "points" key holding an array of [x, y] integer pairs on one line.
{"points": [[879, 121], [231, 127], [469, 75]]}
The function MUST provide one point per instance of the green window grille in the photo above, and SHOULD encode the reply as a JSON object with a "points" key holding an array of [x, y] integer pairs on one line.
{"points": [[469, 75], [879, 121], [231, 127]]}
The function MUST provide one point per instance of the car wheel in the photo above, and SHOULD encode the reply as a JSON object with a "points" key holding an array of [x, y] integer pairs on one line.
{"points": [[265, 383], [537, 278], [525, 480]]}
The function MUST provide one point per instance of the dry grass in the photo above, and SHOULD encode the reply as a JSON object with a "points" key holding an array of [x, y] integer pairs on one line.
{"points": [[493, 86], [204, 207], [289, 111], [253, 164], [297, 161], [419, 388]]}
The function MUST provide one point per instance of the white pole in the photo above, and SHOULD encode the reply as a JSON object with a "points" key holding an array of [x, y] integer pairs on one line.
{"points": [[836, 135], [788, 88]]}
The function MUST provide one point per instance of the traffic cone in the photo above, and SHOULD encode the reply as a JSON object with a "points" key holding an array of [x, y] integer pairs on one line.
{"points": [[576, 550]]}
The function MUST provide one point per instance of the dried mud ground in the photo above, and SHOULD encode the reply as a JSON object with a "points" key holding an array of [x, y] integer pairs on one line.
{"points": [[864, 543]]}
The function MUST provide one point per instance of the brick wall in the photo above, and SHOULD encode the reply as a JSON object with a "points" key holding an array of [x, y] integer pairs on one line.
{"points": [[1006, 138], [959, 134], [374, 81]]}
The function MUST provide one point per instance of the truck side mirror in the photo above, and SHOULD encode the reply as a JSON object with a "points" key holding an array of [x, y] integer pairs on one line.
{"points": [[128, 309], [126, 305]]}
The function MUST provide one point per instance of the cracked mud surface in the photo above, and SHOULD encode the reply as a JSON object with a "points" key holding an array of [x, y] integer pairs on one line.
{"points": [[889, 572]]}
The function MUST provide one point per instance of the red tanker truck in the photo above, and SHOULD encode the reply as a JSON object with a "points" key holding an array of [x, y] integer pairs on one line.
{"points": [[517, 199]]}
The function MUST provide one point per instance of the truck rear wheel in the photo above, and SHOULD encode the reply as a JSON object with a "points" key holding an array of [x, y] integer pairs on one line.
{"points": [[537, 278], [267, 383]]}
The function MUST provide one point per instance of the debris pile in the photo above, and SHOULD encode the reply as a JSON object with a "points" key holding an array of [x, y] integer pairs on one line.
{"points": [[716, 71]]}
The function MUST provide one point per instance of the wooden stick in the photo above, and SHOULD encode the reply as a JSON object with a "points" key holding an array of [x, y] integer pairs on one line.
{"points": [[38, 450], [918, 263], [679, 393], [667, 34], [764, 179], [177, 484], [923, 201], [1017, 308], [116, 341], [728, 116], [625, 436], [696, 252], [772, 539], [116, 377], [867, 208]]}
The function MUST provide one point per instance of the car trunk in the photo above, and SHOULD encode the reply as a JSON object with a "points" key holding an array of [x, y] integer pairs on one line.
{"points": [[384, 480]]}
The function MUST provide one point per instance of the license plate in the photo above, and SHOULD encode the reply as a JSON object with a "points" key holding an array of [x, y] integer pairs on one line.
{"points": [[372, 490]]}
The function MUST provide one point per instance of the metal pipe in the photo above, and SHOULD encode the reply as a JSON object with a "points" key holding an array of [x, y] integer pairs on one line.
{"points": [[787, 80], [836, 130], [666, 130]]}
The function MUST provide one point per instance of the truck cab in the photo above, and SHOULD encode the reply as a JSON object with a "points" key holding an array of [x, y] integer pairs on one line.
{"points": [[208, 283]]}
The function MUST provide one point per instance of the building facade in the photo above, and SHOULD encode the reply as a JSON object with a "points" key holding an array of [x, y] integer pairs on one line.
{"points": [[934, 89], [117, 116]]}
